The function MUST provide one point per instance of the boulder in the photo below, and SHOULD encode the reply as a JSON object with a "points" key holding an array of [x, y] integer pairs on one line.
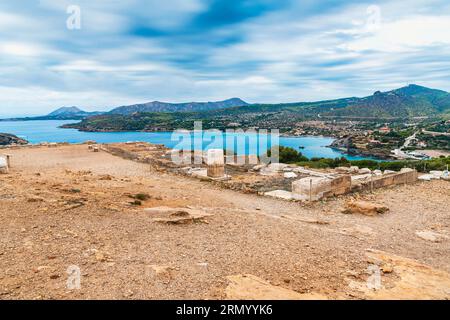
{"points": [[290, 175], [365, 208], [281, 194], [365, 171]]}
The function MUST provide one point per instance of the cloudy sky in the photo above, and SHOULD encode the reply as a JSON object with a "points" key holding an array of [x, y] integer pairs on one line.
{"points": [[130, 51]]}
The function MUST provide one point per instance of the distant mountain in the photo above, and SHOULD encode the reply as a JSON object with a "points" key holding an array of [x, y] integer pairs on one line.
{"points": [[403, 103], [157, 106], [64, 113], [410, 101], [70, 113]]}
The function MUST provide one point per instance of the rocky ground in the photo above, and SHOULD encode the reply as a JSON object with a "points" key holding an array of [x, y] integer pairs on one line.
{"points": [[68, 208]]}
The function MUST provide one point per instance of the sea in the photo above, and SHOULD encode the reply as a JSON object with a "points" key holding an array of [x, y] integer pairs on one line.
{"points": [[39, 131]]}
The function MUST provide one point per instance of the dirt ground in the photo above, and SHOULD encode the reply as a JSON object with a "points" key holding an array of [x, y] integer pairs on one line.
{"points": [[67, 207]]}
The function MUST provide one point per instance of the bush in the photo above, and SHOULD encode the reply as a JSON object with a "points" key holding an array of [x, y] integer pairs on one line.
{"points": [[288, 155]]}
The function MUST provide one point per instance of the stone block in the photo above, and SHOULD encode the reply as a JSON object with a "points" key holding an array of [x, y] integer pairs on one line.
{"points": [[3, 165], [311, 188], [341, 185], [216, 163]]}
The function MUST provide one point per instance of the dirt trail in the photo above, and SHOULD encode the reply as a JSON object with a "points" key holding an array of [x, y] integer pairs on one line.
{"points": [[67, 206]]}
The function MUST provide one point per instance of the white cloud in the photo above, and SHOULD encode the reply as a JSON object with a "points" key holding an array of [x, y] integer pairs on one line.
{"points": [[403, 35], [21, 49]]}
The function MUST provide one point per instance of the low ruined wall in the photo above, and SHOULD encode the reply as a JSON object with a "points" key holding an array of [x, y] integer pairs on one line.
{"points": [[406, 176]]}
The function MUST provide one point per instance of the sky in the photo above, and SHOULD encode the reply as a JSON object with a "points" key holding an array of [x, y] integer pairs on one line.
{"points": [[101, 54]]}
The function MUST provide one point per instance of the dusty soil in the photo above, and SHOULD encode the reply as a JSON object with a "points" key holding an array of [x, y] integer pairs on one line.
{"points": [[67, 206]]}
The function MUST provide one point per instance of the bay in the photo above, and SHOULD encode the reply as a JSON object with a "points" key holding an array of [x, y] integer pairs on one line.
{"points": [[48, 131]]}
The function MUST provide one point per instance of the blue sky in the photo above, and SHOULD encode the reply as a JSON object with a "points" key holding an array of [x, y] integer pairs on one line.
{"points": [[205, 50]]}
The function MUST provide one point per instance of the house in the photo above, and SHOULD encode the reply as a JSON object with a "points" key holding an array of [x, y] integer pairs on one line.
{"points": [[384, 129]]}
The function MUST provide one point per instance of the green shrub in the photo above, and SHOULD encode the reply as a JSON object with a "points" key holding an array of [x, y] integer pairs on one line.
{"points": [[288, 155]]}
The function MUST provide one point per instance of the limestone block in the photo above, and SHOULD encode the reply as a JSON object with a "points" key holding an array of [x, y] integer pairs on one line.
{"points": [[216, 163], [215, 157], [3, 165], [281, 194], [312, 188], [377, 172], [341, 185], [290, 175], [354, 169]]}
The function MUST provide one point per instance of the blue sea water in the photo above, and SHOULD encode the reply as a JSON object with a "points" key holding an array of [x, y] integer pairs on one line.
{"points": [[49, 131]]}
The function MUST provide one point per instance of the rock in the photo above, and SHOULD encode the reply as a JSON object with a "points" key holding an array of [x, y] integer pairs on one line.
{"points": [[290, 175], [365, 208], [354, 169], [281, 194], [365, 171], [277, 167], [10, 139], [437, 174], [388, 172], [387, 268], [378, 172], [342, 169], [102, 257], [258, 167], [273, 169], [431, 236], [427, 177], [413, 281], [250, 287], [178, 215]]}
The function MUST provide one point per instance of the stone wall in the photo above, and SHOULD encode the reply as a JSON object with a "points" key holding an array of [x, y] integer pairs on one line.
{"points": [[405, 176]]}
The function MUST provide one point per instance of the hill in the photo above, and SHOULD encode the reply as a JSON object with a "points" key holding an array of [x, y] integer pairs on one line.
{"points": [[68, 113], [64, 113], [407, 102], [157, 106]]}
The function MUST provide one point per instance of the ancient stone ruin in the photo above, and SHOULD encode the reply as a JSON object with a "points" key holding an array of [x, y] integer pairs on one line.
{"points": [[216, 164], [4, 163]]}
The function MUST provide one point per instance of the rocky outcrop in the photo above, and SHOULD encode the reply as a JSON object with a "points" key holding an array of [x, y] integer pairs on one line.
{"points": [[9, 139], [365, 208]]}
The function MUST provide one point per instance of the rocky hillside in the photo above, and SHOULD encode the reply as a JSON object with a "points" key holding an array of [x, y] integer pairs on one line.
{"points": [[157, 106], [8, 139], [410, 101]]}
